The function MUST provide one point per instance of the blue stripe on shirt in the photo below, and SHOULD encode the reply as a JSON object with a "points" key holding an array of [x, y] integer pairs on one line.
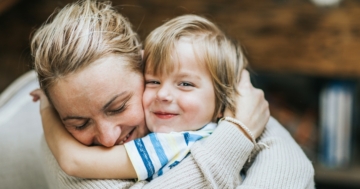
{"points": [[145, 157], [193, 137], [160, 172], [159, 149], [186, 137]]}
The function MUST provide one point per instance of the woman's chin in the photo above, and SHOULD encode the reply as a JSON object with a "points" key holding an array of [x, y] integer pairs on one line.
{"points": [[137, 132]]}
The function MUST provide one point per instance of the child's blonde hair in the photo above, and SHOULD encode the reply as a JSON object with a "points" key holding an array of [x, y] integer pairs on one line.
{"points": [[223, 57], [80, 34]]}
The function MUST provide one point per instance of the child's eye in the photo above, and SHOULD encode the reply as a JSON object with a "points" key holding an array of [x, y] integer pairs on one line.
{"points": [[152, 82], [186, 84], [83, 126]]}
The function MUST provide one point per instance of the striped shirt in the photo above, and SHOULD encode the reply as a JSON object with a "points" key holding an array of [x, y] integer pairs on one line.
{"points": [[157, 153]]}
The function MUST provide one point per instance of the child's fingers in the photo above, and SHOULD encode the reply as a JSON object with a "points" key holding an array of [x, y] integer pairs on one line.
{"points": [[251, 106], [245, 79], [37, 94], [35, 98], [34, 92]]}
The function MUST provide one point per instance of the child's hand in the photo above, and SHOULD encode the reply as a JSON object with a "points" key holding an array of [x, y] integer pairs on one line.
{"points": [[251, 107], [39, 94]]}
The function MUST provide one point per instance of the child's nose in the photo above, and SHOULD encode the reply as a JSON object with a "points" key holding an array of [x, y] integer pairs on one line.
{"points": [[164, 94]]}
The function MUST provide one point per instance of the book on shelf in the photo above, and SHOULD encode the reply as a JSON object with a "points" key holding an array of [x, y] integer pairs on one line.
{"points": [[336, 120]]}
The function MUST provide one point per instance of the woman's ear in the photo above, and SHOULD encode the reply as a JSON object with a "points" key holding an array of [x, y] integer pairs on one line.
{"points": [[142, 54]]}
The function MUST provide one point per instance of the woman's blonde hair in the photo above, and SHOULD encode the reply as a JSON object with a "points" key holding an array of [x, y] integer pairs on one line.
{"points": [[79, 34], [223, 56]]}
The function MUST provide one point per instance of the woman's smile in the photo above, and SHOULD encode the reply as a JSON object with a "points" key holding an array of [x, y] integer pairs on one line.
{"points": [[127, 138]]}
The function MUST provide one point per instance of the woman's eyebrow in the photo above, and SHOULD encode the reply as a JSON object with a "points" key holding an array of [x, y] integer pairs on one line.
{"points": [[73, 117], [112, 100]]}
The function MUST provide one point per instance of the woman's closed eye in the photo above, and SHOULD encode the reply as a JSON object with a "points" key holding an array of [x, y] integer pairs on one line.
{"points": [[119, 110], [81, 127]]}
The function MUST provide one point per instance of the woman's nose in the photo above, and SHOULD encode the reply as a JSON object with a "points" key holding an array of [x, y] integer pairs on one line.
{"points": [[107, 134]]}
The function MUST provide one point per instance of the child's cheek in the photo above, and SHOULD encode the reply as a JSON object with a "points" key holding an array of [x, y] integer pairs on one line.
{"points": [[148, 98]]}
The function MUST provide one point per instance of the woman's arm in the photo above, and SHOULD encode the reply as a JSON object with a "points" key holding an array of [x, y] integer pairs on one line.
{"points": [[284, 164], [214, 162], [77, 159]]}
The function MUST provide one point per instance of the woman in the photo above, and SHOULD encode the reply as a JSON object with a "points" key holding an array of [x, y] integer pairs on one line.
{"points": [[88, 61]]}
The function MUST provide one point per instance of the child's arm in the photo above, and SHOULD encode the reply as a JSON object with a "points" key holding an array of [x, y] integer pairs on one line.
{"points": [[77, 159]]}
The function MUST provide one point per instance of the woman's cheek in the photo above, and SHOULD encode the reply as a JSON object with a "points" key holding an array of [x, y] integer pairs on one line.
{"points": [[83, 136]]}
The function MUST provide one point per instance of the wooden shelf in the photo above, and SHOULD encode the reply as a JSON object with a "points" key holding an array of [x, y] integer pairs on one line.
{"points": [[301, 38], [292, 36], [6, 4], [349, 176]]}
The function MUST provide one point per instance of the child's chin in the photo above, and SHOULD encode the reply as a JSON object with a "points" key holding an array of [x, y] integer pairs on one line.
{"points": [[162, 129]]}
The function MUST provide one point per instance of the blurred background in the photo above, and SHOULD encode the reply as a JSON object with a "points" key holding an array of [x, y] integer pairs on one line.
{"points": [[302, 53]]}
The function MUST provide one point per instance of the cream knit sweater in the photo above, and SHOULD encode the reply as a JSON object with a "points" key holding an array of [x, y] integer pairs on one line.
{"points": [[216, 162]]}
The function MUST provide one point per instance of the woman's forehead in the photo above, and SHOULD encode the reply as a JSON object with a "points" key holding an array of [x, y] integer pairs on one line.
{"points": [[95, 84]]}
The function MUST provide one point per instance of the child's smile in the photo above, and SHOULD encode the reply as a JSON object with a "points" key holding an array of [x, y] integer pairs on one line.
{"points": [[164, 115]]}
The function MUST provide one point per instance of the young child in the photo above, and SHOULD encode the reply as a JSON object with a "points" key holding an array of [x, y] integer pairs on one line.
{"points": [[191, 72]]}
